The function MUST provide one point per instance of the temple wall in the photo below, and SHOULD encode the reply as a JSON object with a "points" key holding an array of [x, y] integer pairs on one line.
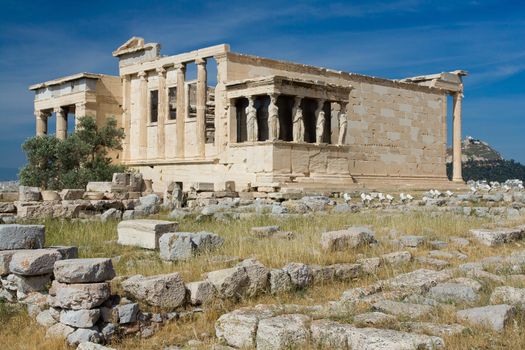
{"points": [[394, 129]]}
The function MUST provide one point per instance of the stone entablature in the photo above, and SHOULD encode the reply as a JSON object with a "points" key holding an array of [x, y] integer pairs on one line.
{"points": [[266, 118]]}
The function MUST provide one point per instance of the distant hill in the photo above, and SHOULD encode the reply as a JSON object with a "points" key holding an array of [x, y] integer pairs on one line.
{"points": [[8, 174], [482, 162]]}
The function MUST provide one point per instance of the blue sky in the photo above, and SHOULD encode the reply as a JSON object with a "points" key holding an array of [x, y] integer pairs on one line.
{"points": [[41, 40]]}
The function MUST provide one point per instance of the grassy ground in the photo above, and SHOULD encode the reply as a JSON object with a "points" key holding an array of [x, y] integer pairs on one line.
{"points": [[95, 239]]}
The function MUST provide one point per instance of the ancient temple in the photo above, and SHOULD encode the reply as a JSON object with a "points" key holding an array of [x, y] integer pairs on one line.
{"points": [[262, 121]]}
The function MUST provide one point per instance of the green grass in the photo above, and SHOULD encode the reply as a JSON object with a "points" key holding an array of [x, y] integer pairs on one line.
{"points": [[96, 239]]}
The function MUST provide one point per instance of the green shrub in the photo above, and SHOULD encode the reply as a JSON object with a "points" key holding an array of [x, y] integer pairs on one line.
{"points": [[73, 162]]}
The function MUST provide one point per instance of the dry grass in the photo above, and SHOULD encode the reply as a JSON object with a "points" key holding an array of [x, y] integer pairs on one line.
{"points": [[99, 240]]}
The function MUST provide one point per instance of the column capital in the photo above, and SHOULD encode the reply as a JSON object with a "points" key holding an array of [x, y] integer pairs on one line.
{"points": [[82, 104], [58, 110], [180, 66], [200, 61], [126, 78], [161, 72], [142, 75], [220, 56]]}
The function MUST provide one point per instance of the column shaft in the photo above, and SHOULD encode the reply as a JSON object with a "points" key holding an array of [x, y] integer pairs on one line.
{"points": [[202, 87], [61, 123], [126, 119], [143, 124], [41, 123], [181, 109], [163, 113], [456, 141]]}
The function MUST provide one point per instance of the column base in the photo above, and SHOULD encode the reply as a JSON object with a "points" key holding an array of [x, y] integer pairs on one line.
{"points": [[458, 180]]}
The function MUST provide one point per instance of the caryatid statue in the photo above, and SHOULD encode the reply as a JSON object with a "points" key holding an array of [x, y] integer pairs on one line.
{"points": [[320, 123], [273, 119], [298, 121], [343, 122], [251, 120]]}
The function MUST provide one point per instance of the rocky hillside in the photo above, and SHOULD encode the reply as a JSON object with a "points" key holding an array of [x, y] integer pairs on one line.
{"points": [[482, 162], [477, 150]]}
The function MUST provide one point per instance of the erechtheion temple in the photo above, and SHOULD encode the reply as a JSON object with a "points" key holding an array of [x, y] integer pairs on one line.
{"points": [[265, 121]]}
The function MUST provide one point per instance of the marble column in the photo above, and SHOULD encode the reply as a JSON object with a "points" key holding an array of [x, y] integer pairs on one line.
{"points": [[41, 123], [126, 118], [320, 121], [456, 139], [181, 108], [202, 86], [143, 117], [163, 113], [80, 112], [444, 113], [273, 119], [61, 123]]}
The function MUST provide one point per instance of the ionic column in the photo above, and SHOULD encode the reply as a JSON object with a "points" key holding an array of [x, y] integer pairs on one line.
{"points": [[181, 108], [61, 123], [320, 121], [80, 112], [202, 86], [273, 118], [456, 139], [163, 113], [41, 123], [143, 123], [126, 118]]}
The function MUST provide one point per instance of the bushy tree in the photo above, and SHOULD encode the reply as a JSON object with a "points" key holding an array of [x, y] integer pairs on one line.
{"points": [[73, 162]]}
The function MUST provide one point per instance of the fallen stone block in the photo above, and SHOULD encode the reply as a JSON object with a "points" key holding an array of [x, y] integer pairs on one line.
{"points": [[161, 290], [80, 296], [402, 309], [143, 233], [258, 276], [283, 332], [14, 236], [496, 317], [230, 283], [280, 281], [45, 319], [508, 295], [494, 237], [127, 313], [59, 330], [34, 262], [412, 241], [71, 194], [176, 246], [28, 194], [99, 186], [67, 252], [239, 328], [397, 258], [419, 280], [80, 318], [84, 270], [111, 214], [200, 292], [7, 207], [83, 335], [27, 284], [374, 338], [301, 275], [453, 292], [351, 238]]}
